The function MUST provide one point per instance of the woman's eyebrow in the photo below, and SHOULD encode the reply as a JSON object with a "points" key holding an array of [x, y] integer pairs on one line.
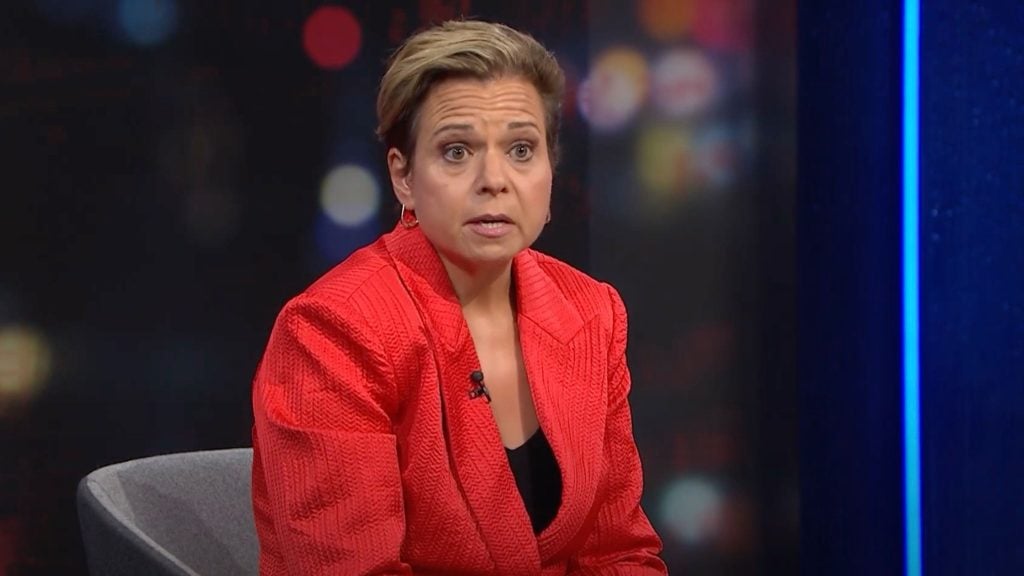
{"points": [[469, 127], [527, 124], [453, 128]]}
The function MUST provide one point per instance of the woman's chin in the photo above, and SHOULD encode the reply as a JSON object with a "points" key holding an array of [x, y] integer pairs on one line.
{"points": [[479, 258]]}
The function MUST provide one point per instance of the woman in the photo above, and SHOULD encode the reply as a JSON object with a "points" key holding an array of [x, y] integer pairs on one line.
{"points": [[447, 400]]}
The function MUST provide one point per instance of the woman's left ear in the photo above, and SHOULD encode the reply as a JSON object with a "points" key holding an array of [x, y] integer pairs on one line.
{"points": [[398, 170]]}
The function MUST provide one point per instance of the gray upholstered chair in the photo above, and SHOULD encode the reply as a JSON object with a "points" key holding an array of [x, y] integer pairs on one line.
{"points": [[181, 514]]}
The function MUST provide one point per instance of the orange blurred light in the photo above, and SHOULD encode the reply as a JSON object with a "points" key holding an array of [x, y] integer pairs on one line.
{"points": [[25, 363], [665, 20]]}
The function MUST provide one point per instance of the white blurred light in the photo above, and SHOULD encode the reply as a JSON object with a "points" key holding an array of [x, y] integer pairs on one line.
{"points": [[684, 83], [615, 89], [147, 22], [25, 364], [692, 509], [349, 195]]}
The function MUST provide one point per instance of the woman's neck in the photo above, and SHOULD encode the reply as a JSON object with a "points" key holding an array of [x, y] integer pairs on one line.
{"points": [[484, 289]]}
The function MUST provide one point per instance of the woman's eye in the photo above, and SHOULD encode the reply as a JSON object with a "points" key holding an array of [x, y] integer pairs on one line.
{"points": [[522, 151], [455, 153]]}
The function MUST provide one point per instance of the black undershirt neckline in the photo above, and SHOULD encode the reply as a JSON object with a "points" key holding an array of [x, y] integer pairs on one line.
{"points": [[538, 479]]}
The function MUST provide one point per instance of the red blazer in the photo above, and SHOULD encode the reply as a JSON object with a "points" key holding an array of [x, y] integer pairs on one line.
{"points": [[371, 458]]}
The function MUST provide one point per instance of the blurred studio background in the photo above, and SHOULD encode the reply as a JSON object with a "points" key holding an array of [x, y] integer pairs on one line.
{"points": [[175, 170]]}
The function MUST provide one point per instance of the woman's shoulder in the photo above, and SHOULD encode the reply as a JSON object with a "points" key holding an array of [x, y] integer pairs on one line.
{"points": [[363, 283]]}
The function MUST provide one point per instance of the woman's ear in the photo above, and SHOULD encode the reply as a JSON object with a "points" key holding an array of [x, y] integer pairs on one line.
{"points": [[401, 175]]}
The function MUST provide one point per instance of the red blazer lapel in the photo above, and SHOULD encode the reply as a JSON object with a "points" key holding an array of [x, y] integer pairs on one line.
{"points": [[475, 452], [560, 349]]}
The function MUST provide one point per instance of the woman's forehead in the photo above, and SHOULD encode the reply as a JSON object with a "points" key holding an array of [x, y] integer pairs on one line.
{"points": [[509, 100]]}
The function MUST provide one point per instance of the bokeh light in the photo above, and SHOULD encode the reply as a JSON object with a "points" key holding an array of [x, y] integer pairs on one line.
{"points": [[692, 509], [25, 365], [664, 162], [717, 156], [615, 89], [147, 22], [332, 37], [685, 83], [726, 25], [349, 195], [665, 20]]}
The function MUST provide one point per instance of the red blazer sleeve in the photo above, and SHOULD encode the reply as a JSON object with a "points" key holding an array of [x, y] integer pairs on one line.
{"points": [[622, 541], [327, 492]]}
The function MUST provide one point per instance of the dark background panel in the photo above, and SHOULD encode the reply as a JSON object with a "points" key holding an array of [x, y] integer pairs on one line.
{"points": [[848, 265], [972, 313]]}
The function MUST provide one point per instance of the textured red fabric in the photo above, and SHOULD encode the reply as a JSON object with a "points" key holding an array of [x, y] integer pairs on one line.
{"points": [[371, 458]]}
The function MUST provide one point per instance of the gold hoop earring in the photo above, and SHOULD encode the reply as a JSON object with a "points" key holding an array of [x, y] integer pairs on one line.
{"points": [[408, 218]]}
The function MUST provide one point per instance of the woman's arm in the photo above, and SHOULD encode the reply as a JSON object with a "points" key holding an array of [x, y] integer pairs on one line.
{"points": [[326, 489], [622, 540]]}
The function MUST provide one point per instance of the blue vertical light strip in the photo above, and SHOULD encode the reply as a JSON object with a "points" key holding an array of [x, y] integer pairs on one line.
{"points": [[911, 287]]}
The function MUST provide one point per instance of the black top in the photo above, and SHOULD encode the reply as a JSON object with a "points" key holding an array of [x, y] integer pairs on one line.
{"points": [[538, 479]]}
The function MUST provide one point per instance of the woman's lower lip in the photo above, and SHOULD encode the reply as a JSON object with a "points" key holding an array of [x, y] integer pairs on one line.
{"points": [[492, 229]]}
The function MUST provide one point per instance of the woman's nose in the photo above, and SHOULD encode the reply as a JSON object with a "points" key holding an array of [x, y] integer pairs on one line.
{"points": [[493, 178]]}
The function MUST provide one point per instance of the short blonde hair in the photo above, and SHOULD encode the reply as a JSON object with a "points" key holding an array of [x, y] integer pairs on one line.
{"points": [[463, 49]]}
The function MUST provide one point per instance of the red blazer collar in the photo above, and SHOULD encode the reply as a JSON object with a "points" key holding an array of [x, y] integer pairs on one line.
{"points": [[538, 298]]}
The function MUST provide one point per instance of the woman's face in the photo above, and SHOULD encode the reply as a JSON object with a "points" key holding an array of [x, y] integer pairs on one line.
{"points": [[480, 182]]}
